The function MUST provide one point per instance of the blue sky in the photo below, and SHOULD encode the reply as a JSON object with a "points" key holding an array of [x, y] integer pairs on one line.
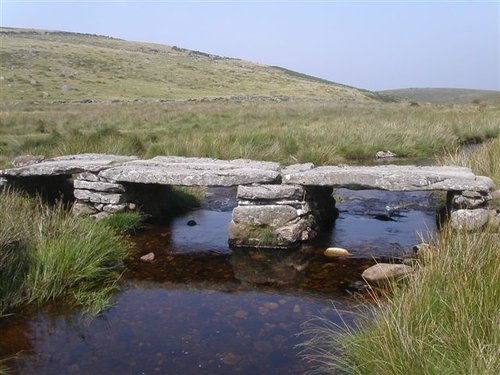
{"points": [[372, 45]]}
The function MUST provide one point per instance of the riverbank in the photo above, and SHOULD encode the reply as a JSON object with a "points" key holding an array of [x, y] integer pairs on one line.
{"points": [[443, 320]]}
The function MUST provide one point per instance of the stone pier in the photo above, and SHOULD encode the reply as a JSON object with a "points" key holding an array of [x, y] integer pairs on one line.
{"points": [[279, 216]]}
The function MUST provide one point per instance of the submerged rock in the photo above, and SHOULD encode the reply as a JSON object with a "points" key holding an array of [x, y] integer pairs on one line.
{"points": [[149, 257], [336, 252], [381, 272]]}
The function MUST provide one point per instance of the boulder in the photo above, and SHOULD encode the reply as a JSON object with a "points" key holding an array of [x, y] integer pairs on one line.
{"points": [[470, 220], [382, 272]]}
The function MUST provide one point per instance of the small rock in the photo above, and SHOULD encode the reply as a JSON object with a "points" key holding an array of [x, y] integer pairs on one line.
{"points": [[149, 257], [132, 206], [33, 82], [45, 94], [191, 223], [25, 160], [424, 250], [66, 88], [357, 287], [385, 154], [336, 252], [297, 309], [82, 209], [384, 271]]}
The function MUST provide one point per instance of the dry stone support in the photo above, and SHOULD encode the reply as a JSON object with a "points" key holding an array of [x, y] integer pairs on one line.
{"points": [[97, 197], [279, 216], [468, 209]]}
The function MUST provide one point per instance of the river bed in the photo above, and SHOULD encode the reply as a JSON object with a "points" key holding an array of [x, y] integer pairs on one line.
{"points": [[202, 308]]}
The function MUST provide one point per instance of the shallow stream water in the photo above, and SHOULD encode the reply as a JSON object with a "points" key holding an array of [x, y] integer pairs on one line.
{"points": [[201, 308]]}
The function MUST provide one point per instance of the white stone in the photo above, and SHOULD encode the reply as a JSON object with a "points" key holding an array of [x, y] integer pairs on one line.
{"points": [[336, 252]]}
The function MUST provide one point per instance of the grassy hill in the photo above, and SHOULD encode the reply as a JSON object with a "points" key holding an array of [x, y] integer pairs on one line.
{"points": [[444, 95], [50, 66]]}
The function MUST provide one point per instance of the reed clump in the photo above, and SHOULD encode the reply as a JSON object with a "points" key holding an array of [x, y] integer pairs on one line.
{"points": [[45, 254]]}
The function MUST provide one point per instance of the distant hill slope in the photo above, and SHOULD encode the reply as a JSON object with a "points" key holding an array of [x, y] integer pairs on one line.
{"points": [[442, 95], [53, 66]]}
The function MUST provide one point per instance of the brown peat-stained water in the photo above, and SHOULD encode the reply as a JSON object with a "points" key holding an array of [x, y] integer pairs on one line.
{"points": [[201, 308]]}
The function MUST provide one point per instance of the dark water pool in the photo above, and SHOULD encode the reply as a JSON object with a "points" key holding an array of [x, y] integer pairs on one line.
{"points": [[201, 308]]}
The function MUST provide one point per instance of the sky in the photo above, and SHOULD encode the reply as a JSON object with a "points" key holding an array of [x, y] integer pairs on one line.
{"points": [[367, 44]]}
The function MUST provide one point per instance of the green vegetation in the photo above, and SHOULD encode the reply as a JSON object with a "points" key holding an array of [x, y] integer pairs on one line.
{"points": [[445, 95], [123, 222], [45, 254], [444, 320], [56, 66], [283, 132], [484, 159]]}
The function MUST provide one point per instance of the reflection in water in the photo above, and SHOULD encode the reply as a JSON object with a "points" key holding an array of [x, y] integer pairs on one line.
{"points": [[201, 308]]}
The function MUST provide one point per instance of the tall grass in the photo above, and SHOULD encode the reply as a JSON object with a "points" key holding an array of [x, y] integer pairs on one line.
{"points": [[319, 132], [483, 159], [445, 320], [45, 254]]}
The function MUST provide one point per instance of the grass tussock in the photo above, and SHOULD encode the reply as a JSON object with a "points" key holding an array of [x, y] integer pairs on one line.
{"points": [[123, 222], [45, 254], [444, 321], [483, 159], [283, 132]]}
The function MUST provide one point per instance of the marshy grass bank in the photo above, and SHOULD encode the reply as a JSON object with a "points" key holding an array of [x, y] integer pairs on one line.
{"points": [[46, 254], [444, 319], [322, 132]]}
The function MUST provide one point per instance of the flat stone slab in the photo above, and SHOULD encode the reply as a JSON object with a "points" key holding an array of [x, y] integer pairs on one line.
{"points": [[392, 177], [271, 192], [172, 170], [68, 165]]}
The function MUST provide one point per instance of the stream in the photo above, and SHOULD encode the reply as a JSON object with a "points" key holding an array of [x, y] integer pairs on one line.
{"points": [[202, 308]]}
